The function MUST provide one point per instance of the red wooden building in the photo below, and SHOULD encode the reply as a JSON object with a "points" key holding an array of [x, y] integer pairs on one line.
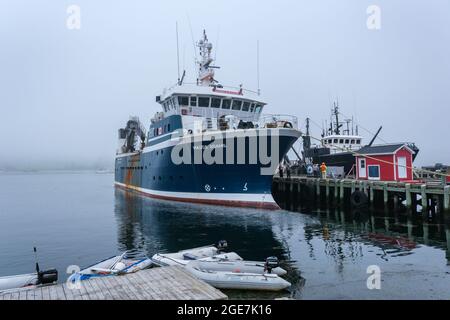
{"points": [[387, 162]]}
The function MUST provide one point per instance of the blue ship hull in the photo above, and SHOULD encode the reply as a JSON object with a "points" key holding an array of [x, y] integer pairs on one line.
{"points": [[153, 172]]}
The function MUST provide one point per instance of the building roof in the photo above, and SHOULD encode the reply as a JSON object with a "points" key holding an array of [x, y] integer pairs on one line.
{"points": [[383, 148]]}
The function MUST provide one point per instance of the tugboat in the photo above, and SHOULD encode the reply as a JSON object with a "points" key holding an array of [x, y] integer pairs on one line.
{"points": [[339, 144], [210, 144]]}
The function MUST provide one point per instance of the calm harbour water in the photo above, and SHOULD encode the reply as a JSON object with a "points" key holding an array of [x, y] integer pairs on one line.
{"points": [[79, 218]]}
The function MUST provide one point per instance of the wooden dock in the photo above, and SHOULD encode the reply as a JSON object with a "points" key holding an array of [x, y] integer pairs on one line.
{"points": [[166, 283], [298, 190]]}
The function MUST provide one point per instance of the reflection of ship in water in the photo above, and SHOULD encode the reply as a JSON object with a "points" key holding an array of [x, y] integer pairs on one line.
{"points": [[152, 226]]}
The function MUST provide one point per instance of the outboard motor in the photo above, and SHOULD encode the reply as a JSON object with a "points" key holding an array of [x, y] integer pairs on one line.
{"points": [[47, 276], [271, 263], [222, 245]]}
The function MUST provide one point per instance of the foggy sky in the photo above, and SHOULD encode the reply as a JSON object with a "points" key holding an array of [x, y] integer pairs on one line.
{"points": [[64, 93]]}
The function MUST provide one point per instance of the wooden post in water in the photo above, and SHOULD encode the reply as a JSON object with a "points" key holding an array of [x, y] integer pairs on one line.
{"points": [[409, 225], [318, 190], [395, 203], [425, 233], [423, 194], [341, 192], [385, 196], [371, 194], [336, 182], [299, 195], [408, 195], [353, 186], [447, 235], [327, 190], [292, 195], [447, 199]]}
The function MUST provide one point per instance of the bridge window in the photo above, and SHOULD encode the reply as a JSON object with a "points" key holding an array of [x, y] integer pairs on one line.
{"points": [[237, 104], [226, 104], [215, 102], [246, 106], [203, 102], [335, 141], [258, 109], [183, 101], [347, 141], [358, 141], [193, 101], [352, 141]]}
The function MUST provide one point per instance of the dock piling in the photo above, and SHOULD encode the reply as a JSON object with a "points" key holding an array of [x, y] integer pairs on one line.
{"points": [[423, 194], [408, 195], [447, 198]]}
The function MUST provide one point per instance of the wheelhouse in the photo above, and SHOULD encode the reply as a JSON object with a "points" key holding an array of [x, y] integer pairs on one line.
{"points": [[212, 106]]}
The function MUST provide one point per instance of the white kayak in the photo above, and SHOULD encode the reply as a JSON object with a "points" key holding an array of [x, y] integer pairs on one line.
{"points": [[116, 265], [237, 280], [184, 256]]}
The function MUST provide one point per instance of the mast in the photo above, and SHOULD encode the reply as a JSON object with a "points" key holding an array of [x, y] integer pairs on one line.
{"points": [[205, 70], [336, 114]]}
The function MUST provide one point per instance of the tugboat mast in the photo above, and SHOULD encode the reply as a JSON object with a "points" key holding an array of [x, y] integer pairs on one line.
{"points": [[336, 114]]}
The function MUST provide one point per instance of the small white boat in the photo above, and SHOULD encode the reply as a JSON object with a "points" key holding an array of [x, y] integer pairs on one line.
{"points": [[201, 253], [115, 265], [40, 277], [238, 266], [29, 279], [237, 280], [18, 281]]}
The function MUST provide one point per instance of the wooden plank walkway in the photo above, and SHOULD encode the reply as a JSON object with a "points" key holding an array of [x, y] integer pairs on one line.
{"points": [[166, 283]]}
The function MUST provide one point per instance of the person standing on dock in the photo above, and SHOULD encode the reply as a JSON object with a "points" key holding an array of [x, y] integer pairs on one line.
{"points": [[323, 170]]}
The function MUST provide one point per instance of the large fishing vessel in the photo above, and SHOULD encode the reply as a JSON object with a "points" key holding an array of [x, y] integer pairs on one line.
{"points": [[210, 144]]}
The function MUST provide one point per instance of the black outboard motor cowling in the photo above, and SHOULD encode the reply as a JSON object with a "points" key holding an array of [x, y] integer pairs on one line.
{"points": [[271, 263], [47, 276], [222, 245]]}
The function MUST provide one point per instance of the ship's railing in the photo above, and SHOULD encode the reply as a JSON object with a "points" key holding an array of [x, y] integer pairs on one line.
{"points": [[218, 87], [278, 121]]}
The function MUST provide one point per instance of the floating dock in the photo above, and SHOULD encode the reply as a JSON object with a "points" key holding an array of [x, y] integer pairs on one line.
{"points": [[298, 190], [166, 283]]}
